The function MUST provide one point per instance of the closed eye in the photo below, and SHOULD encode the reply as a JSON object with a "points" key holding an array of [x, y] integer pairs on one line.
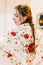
{"points": [[16, 15]]}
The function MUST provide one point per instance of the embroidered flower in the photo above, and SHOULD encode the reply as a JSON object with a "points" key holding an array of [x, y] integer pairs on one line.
{"points": [[36, 38], [16, 63], [31, 47], [13, 33], [9, 55], [30, 36], [24, 24], [22, 32], [29, 61], [26, 36], [16, 42], [42, 57]]}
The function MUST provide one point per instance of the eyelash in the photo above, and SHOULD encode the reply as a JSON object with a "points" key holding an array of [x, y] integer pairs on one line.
{"points": [[16, 16]]}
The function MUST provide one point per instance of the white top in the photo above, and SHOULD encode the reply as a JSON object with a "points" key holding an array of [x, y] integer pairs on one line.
{"points": [[14, 44]]}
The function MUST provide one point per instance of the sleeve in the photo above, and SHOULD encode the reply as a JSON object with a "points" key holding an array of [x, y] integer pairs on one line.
{"points": [[11, 49]]}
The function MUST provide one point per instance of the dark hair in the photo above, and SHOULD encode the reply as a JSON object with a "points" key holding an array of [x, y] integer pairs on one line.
{"points": [[26, 11]]}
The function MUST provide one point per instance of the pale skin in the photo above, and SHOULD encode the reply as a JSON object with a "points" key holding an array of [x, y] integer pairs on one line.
{"points": [[18, 18]]}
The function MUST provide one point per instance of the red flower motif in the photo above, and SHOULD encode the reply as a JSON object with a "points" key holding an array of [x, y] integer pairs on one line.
{"points": [[24, 24], [9, 55], [31, 47], [30, 36], [13, 33], [16, 42], [26, 36], [42, 57], [23, 32]]}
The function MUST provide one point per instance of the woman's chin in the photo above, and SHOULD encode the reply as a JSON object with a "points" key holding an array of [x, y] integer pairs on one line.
{"points": [[17, 23]]}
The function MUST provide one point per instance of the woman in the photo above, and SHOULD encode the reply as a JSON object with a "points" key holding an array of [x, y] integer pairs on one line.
{"points": [[18, 46], [23, 16]]}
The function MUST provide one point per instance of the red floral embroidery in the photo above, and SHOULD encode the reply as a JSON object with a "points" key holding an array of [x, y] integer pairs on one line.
{"points": [[8, 39], [13, 33], [42, 57], [30, 36], [36, 38], [26, 36], [16, 42], [16, 64], [9, 55], [24, 24], [31, 47], [23, 32]]}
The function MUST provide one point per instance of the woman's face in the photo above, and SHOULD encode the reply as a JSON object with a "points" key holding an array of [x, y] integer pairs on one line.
{"points": [[18, 18]]}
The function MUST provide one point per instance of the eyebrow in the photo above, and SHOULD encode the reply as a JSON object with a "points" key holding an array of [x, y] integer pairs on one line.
{"points": [[15, 13]]}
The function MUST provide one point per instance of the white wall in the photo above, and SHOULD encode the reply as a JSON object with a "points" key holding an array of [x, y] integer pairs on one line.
{"points": [[2, 16]]}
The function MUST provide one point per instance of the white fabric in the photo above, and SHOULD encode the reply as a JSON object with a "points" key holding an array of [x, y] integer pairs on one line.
{"points": [[15, 45]]}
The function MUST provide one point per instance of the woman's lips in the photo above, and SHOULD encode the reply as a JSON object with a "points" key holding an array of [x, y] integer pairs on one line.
{"points": [[15, 21]]}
